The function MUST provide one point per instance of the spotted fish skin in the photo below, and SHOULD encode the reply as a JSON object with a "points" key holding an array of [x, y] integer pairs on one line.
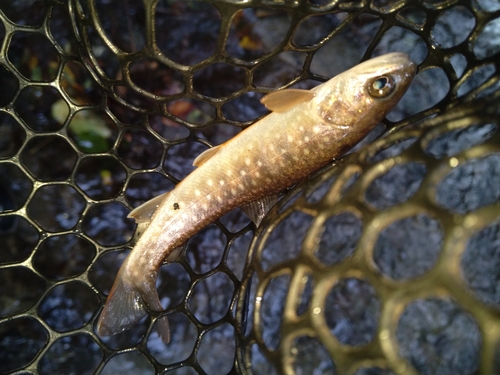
{"points": [[269, 156]]}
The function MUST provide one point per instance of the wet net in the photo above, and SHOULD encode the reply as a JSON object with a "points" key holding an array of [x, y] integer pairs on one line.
{"points": [[385, 262]]}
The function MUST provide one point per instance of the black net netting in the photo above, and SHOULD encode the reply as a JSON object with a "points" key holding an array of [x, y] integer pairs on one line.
{"points": [[385, 262]]}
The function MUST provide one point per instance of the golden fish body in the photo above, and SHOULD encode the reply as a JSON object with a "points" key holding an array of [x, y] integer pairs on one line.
{"points": [[307, 129]]}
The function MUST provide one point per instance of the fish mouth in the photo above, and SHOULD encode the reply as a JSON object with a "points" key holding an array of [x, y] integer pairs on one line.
{"points": [[400, 62], [404, 61]]}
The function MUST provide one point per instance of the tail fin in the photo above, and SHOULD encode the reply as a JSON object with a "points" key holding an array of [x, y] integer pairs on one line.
{"points": [[125, 306]]}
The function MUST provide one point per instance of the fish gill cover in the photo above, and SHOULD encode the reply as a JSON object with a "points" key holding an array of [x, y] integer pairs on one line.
{"points": [[384, 263]]}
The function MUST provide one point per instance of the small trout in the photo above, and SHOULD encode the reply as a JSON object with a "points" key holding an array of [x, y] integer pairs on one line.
{"points": [[306, 130]]}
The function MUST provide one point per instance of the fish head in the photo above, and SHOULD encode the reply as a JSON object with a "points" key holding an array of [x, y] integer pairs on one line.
{"points": [[356, 100]]}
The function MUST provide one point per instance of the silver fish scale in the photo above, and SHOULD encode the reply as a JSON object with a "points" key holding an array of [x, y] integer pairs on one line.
{"points": [[385, 263]]}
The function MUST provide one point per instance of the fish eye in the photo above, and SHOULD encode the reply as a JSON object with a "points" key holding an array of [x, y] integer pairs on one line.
{"points": [[382, 87]]}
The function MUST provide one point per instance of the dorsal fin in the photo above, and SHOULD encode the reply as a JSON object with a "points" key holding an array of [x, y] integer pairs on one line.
{"points": [[145, 211], [174, 254], [205, 155], [284, 100], [256, 210]]}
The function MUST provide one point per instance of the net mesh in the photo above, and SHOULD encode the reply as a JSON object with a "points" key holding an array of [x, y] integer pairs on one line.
{"points": [[385, 262]]}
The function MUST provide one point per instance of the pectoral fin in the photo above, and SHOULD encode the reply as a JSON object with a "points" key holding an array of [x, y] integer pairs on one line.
{"points": [[284, 100], [145, 211], [258, 209], [205, 155]]}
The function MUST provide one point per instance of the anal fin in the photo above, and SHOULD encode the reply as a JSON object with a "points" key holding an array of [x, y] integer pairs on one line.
{"points": [[256, 210], [145, 211]]}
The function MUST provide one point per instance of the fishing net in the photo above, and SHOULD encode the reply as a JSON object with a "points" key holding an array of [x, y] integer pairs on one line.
{"points": [[385, 262]]}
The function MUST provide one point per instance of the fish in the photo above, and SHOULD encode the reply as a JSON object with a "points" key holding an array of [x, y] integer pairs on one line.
{"points": [[306, 130]]}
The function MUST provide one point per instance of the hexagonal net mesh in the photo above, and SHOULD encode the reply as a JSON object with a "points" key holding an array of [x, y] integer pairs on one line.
{"points": [[385, 262]]}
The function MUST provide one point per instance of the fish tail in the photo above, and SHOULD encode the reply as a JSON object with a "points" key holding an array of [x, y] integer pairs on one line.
{"points": [[126, 305]]}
